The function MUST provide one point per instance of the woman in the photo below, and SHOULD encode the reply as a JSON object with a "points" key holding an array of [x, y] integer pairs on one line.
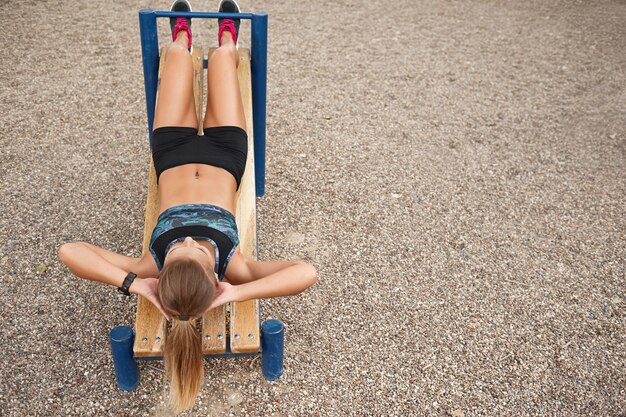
{"points": [[194, 244]]}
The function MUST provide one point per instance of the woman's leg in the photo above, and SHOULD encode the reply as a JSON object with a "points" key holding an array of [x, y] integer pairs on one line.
{"points": [[175, 102], [224, 106]]}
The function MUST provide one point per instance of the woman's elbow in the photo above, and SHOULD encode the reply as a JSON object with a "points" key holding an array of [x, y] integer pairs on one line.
{"points": [[310, 274], [67, 251]]}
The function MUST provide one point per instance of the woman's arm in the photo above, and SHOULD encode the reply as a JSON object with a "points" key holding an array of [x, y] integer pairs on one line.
{"points": [[265, 279], [290, 280], [96, 264], [242, 269]]}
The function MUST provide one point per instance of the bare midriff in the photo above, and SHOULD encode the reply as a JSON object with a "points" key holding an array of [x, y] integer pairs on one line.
{"points": [[197, 184]]}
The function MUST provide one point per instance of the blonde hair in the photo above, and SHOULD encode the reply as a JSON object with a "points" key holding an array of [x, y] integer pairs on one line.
{"points": [[186, 291]]}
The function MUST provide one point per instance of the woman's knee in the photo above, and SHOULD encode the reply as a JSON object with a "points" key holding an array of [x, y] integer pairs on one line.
{"points": [[177, 50], [225, 52]]}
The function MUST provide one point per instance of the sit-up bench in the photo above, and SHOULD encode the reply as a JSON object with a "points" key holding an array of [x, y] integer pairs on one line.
{"points": [[231, 330], [151, 327]]}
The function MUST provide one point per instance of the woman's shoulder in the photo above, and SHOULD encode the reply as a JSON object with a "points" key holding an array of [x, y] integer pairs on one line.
{"points": [[146, 267], [237, 270]]}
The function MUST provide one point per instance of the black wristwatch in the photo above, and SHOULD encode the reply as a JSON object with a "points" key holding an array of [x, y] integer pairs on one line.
{"points": [[127, 283]]}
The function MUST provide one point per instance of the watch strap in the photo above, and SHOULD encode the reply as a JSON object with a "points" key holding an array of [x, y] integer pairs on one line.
{"points": [[124, 289]]}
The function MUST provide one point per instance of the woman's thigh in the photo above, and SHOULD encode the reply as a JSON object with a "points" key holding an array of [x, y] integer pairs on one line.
{"points": [[175, 102]]}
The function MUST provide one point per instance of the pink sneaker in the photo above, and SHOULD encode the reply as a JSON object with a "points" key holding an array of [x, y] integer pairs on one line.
{"points": [[181, 23], [231, 25]]}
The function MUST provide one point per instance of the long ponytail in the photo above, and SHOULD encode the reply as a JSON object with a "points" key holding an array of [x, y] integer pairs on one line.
{"points": [[183, 364], [186, 291]]}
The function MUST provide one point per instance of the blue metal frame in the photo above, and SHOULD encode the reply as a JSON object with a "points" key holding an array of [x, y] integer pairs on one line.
{"points": [[258, 69], [272, 331], [272, 349]]}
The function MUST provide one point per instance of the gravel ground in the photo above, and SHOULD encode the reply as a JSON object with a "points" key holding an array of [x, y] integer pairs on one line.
{"points": [[455, 170]]}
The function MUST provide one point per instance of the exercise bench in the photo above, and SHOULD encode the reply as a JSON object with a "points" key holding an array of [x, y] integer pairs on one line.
{"points": [[234, 329]]}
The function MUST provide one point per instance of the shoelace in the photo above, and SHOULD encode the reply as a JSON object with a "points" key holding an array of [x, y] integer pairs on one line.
{"points": [[228, 24], [181, 24]]}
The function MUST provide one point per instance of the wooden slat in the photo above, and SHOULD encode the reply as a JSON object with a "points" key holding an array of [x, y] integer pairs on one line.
{"points": [[214, 331], [150, 326], [198, 82], [244, 317], [213, 321]]}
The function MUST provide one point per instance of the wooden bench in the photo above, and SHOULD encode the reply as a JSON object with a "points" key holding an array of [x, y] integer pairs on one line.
{"points": [[241, 336]]}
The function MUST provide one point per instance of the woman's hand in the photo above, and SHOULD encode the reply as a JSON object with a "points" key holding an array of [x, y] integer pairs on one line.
{"points": [[224, 293], [149, 288]]}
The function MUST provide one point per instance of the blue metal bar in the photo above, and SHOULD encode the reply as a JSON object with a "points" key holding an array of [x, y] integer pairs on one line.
{"points": [[126, 369], [205, 15], [150, 56], [258, 69], [216, 355], [273, 344]]}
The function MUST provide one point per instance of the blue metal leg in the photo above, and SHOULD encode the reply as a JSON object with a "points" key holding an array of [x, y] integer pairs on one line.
{"points": [[126, 369], [273, 345], [150, 58], [258, 62]]}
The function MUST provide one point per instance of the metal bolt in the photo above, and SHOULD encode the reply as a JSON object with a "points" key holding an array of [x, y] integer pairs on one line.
{"points": [[236, 337], [157, 339], [250, 336], [207, 337], [144, 339], [219, 336]]}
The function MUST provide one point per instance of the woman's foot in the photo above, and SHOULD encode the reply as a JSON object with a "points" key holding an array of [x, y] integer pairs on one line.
{"points": [[230, 25], [181, 23]]}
